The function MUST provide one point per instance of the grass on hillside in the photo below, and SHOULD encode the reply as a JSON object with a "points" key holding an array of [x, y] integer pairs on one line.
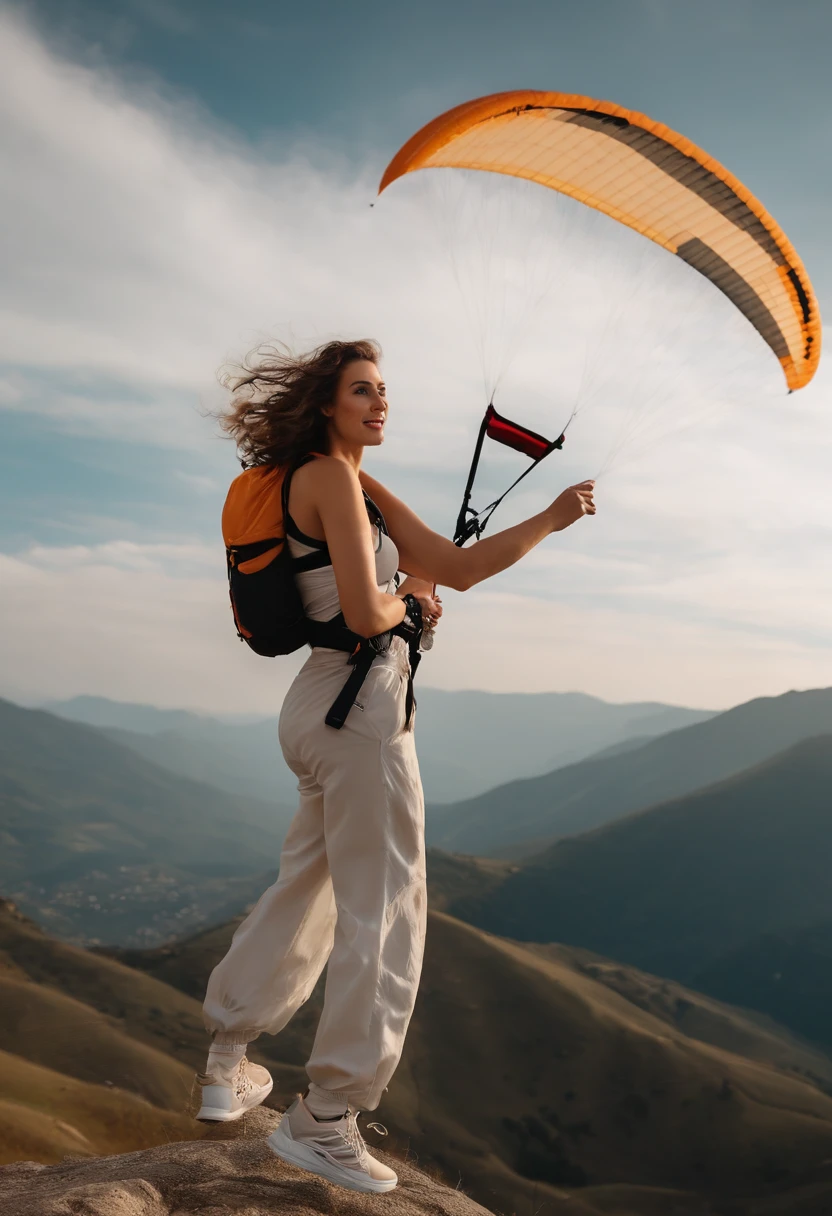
{"points": [[525, 1075], [45, 1115]]}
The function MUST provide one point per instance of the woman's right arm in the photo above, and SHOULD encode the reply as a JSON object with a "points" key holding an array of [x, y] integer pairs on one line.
{"points": [[336, 493], [427, 555]]}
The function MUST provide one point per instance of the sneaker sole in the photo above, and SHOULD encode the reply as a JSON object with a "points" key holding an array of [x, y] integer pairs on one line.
{"points": [[215, 1114], [302, 1155]]}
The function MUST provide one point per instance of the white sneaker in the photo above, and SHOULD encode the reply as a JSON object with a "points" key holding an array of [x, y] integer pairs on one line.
{"points": [[227, 1093], [334, 1149]]}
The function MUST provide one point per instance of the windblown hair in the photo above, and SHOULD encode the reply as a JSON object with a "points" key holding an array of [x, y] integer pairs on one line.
{"points": [[276, 410]]}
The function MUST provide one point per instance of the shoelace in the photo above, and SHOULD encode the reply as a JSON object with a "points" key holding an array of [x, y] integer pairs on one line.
{"points": [[348, 1140], [354, 1137], [242, 1080]]}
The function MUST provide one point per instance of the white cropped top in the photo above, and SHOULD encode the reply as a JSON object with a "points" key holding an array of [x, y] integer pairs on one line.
{"points": [[318, 589]]}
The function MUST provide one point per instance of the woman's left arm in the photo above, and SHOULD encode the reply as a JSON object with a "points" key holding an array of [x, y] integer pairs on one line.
{"points": [[427, 555]]}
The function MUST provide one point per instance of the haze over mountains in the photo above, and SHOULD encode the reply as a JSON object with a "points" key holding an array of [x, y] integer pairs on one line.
{"points": [[165, 852], [468, 741], [103, 845]]}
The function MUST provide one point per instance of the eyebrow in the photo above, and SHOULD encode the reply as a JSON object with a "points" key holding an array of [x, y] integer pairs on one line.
{"points": [[379, 385]]}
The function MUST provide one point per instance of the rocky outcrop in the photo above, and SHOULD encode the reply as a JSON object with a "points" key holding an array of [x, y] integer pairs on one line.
{"points": [[230, 1172]]}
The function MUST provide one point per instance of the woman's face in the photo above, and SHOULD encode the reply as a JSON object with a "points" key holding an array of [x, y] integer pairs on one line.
{"points": [[358, 413]]}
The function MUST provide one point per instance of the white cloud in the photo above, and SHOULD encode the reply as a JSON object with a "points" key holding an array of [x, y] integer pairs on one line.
{"points": [[142, 247], [152, 624], [174, 560], [149, 624]]}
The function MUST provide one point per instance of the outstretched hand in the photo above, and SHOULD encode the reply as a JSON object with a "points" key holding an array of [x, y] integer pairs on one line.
{"points": [[574, 502]]}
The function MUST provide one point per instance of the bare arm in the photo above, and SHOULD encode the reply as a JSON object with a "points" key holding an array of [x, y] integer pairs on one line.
{"points": [[336, 493], [427, 555]]}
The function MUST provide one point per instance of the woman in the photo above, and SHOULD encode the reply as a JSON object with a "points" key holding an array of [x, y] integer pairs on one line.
{"points": [[351, 889]]}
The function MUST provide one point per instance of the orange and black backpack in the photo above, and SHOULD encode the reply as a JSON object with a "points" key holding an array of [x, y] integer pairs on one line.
{"points": [[265, 601]]}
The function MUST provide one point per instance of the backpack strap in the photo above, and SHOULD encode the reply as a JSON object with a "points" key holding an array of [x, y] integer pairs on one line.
{"points": [[320, 555], [320, 558]]}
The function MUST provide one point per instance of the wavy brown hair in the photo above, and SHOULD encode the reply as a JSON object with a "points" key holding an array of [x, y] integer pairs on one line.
{"points": [[278, 398]]}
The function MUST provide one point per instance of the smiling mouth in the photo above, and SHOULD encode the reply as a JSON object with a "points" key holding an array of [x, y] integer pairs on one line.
{"points": [[376, 423]]}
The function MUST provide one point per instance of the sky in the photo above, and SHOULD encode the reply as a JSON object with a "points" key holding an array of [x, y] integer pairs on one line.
{"points": [[182, 181]]}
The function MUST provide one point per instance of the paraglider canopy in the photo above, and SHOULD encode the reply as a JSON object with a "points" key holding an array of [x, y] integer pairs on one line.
{"points": [[649, 178]]}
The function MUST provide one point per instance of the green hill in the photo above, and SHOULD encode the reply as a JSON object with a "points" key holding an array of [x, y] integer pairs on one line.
{"points": [[111, 847], [672, 888], [518, 819]]}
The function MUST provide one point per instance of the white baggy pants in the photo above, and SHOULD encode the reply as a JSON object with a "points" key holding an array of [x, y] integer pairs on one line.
{"points": [[351, 887]]}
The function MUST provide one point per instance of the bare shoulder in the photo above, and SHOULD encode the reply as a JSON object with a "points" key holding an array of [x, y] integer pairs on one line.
{"points": [[327, 483], [325, 472]]}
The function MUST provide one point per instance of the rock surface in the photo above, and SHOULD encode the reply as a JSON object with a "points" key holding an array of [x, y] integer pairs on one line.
{"points": [[230, 1172]]}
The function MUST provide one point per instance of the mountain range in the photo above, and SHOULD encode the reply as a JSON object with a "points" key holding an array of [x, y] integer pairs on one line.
{"points": [[468, 741], [523, 817], [106, 847], [687, 887], [546, 1061], [103, 845]]}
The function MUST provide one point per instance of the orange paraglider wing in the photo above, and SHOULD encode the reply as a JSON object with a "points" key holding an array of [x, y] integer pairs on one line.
{"points": [[648, 177]]}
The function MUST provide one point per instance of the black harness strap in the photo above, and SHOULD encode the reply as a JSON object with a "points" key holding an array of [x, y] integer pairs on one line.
{"points": [[343, 703]]}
